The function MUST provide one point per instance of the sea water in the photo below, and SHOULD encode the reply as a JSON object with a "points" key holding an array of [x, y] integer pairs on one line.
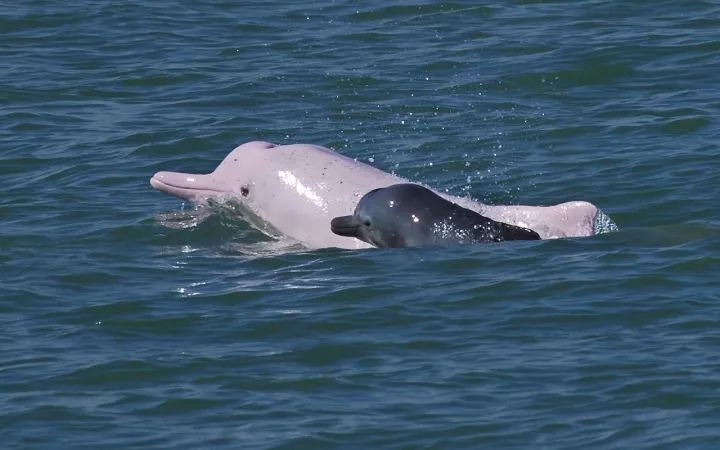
{"points": [[132, 320]]}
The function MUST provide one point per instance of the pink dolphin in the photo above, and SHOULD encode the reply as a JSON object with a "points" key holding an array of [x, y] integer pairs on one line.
{"points": [[300, 188]]}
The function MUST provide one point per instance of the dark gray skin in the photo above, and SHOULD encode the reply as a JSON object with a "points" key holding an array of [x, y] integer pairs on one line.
{"points": [[410, 215]]}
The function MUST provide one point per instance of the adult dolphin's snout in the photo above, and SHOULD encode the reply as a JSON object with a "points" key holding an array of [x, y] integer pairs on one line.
{"points": [[188, 186], [346, 226]]}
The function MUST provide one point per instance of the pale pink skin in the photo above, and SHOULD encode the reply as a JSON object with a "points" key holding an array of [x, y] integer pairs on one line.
{"points": [[299, 188]]}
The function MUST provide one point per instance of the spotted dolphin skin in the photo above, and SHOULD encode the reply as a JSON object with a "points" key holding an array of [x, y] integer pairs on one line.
{"points": [[410, 215], [299, 188]]}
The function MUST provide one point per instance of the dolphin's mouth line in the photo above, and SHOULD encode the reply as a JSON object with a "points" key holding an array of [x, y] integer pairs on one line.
{"points": [[156, 182], [196, 188], [345, 226], [344, 231]]}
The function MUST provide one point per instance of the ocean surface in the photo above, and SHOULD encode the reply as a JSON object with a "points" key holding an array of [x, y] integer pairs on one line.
{"points": [[130, 320]]}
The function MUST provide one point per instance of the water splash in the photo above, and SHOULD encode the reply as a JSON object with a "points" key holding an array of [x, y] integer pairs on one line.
{"points": [[603, 223]]}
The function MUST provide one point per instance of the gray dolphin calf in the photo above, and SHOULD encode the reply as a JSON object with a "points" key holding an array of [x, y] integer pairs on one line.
{"points": [[410, 215], [299, 188]]}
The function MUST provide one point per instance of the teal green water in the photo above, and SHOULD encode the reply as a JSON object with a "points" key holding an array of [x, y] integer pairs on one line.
{"points": [[130, 321]]}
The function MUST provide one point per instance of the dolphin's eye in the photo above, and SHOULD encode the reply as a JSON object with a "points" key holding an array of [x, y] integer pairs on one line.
{"points": [[244, 191], [367, 223]]}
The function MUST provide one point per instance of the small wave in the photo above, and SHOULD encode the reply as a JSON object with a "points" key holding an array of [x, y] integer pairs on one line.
{"points": [[237, 230]]}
